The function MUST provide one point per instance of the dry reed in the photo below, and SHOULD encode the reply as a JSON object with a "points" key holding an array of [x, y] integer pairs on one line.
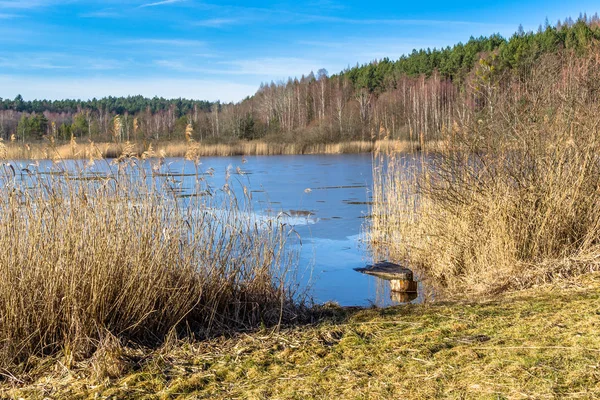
{"points": [[41, 151], [117, 257], [513, 199]]}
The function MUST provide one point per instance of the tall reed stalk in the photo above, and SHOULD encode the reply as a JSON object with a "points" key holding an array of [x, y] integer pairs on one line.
{"points": [[85, 257]]}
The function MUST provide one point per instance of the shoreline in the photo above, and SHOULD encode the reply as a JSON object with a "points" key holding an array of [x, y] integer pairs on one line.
{"points": [[540, 342], [87, 150]]}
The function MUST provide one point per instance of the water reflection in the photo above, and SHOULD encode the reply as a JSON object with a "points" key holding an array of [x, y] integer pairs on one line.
{"points": [[403, 297]]}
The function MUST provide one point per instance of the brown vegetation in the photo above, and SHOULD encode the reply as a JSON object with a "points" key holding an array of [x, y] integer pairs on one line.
{"points": [[91, 261], [513, 200], [74, 150]]}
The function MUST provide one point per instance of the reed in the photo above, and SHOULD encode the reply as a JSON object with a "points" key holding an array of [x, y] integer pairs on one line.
{"points": [[89, 260], [74, 150], [511, 198]]}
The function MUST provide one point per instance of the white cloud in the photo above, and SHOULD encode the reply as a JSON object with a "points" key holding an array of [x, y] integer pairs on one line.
{"points": [[87, 88], [48, 65], [19, 62], [31, 61], [99, 64], [271, 68], [275, 67], [161, 3], [325, 4], [102, 14], [287, 16], [216, 22], [392, 21], [168, 42], [25, 4], [362, 50]]}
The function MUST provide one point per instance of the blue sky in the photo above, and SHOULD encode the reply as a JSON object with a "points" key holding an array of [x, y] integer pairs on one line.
{"points": [[224, 50]]}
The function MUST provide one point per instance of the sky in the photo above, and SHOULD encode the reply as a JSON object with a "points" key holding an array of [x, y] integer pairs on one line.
{"points": [[79, 49]]}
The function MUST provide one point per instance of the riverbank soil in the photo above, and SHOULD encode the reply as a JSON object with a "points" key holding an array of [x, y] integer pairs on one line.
{"points": [[539, 343]]}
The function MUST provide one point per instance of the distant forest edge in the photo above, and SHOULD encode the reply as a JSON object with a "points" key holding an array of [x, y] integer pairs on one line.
{"points": [[416, 98]]}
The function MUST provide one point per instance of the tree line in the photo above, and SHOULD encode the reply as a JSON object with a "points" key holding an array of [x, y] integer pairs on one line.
{"points": [[417, 96]]}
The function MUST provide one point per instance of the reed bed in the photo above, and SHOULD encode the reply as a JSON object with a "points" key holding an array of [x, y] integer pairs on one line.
{"points": [[74, 150], [513, 198], [90, 261]]}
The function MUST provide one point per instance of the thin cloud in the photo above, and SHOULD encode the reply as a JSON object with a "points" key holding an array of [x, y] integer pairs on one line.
{"points": [[60, 61], [316, 43], [105, 65], [189, 67], [242, 14], [168, 42], [420, 22], [365, 50], [24, 4], [276, 67], [49, 66], [269, 67], [325, 4], [102, 14], [390, 46], [304, 18], [216, 22], [161, 3], [26, 63]]}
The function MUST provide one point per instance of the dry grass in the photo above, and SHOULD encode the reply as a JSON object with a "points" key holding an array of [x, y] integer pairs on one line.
{"points": [[73, 150], [541, 343], [92, 261], [513, 200]]}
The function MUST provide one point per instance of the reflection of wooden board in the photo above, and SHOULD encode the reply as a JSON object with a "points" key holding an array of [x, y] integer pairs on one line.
{"points": [[387, 270], [401, 297], [403, 286]]}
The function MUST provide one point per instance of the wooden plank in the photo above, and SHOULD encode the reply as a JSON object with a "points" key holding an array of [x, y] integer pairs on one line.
{"points": [[387, 270]]}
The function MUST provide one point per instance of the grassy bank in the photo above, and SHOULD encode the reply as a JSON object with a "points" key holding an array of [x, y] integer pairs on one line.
{"points": [[85, 150], [538, 343]]}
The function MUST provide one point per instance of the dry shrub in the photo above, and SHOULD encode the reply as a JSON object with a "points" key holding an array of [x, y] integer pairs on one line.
{"points": [[513, 198], [120, 255]]}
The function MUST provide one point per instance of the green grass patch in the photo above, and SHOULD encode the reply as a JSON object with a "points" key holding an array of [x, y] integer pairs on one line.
{"points": [[539, 343]]}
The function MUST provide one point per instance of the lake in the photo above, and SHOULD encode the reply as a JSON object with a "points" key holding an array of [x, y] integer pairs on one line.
{"points": [[326, 198]]}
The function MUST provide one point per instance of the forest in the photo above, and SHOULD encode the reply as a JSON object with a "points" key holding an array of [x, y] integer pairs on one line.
{"points": [[416, 97]]}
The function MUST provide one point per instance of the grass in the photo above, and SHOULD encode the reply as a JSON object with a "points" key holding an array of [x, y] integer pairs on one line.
{"points": [[74, 150], [538, 343], [92, 260]]}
